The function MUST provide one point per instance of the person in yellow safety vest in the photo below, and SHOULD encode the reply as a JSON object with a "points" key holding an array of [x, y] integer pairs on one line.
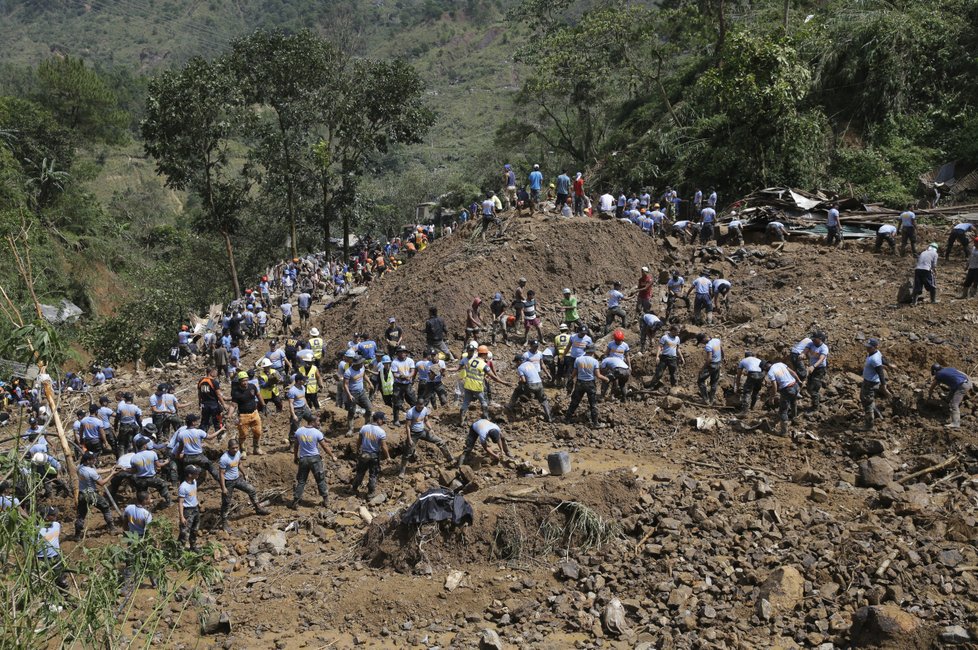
{"points": [[560, 344], [269, 383], [317, 345], [476, 368], [386, 380], [309, 370]]}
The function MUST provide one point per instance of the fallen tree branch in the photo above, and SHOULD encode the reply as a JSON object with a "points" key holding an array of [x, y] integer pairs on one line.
{"points": [[927, 470]]}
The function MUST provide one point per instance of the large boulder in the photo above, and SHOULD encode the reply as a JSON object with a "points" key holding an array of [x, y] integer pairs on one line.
{"points": [[875, 472], [783, 590], [887, 626]]}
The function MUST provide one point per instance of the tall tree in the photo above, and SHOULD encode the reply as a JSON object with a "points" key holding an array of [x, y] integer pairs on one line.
{"points": [[371, 107], [285, 73], [81, 100], [192, 117]]}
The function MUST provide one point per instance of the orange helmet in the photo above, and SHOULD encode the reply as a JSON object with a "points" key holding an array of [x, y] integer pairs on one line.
{"points": [[619, 336], [483, 349]]}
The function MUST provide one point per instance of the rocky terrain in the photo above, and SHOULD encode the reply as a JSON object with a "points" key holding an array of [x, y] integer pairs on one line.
{"points": [[679, 525]]}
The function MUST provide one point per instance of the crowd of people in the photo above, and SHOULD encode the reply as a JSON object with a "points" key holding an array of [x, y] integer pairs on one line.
{"points": [[129, 449]]}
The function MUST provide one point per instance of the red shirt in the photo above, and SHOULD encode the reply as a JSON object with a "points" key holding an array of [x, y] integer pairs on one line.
{"points": [[645, 294], [579, 187]]}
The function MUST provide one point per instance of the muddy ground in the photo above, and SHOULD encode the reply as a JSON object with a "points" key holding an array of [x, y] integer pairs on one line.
{"points": [[676, 537]]}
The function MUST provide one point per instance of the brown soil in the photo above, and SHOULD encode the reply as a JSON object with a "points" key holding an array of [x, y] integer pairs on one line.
{"points": [[704, 515]]}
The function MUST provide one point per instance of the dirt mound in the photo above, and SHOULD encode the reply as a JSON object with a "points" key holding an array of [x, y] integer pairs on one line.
{"points": [[510, 524], [551, 253]]}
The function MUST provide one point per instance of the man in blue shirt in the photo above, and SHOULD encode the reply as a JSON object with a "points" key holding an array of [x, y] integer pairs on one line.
{"points": [[908, 232], [958, 385], [530, 384], [832, 225], [232, 478], [586, 371], [190, 447], [372, 450], [961, 233], [563, 189], [536, 184], [817, 352], [307, 444], [711, 367], [417, 427], [874, 380]]}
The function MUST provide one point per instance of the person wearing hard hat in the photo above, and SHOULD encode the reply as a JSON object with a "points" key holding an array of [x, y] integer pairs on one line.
{"points": [[474, 384], [183, 342], [270, 383], [318, 347], [392, 336], [617, 365], [735, 229], [246, 399], [569, 304], [561, 341], [309, 370]]}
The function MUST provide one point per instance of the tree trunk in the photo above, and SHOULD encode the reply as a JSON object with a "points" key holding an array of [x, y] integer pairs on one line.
{"points": [[231, 266], [786, 7], [721, 31], [326, 243], [289, 191], [346, 235]]}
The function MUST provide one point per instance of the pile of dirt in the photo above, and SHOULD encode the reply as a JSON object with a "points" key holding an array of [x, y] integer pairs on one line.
{"points": [[551, 253]]}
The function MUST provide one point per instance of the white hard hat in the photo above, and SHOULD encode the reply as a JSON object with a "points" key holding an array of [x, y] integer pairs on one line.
{"points": [[264, 362], [305, 355], [314, 332], [39, 458], [733, 213]]}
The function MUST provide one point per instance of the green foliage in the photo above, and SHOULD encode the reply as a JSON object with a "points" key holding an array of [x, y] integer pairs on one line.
{"points": [[80, 100], [87, 613]]}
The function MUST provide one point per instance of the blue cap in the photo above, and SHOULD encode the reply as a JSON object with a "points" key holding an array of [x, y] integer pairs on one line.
{"points": [[385, 359]]}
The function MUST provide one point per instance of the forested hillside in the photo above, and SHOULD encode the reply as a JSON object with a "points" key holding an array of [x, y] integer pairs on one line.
{"points": [[855, 96]]}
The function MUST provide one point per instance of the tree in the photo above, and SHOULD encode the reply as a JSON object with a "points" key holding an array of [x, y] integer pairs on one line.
{"points": [[80, 100], [285, 73], [373, 106], [191, 121]]}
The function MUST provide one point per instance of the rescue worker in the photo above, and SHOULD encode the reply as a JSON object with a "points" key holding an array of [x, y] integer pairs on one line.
{"points": [[477, 370], [958, 385], [784, 382], [417, 427], [710, 371], [530, 384], [318, 347], [356, 387], [750, 378], [586, 371], [874, 381]]}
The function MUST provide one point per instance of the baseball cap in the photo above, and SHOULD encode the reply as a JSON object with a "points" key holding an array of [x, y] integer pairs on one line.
{"points": [[873, 343], [391, 319]]}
